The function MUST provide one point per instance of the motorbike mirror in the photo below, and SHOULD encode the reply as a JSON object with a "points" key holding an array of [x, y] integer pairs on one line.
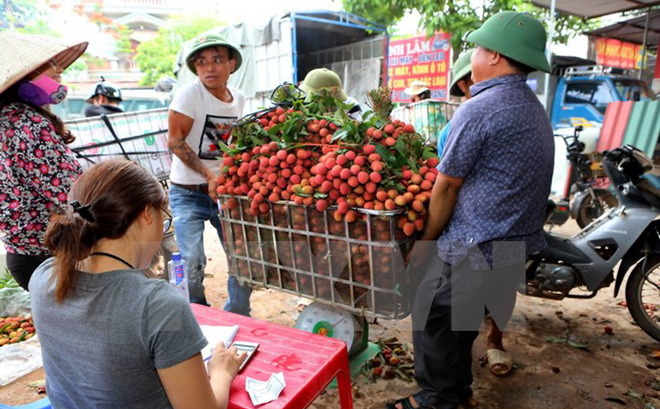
{"points": [[644, 161], [578, 129]]}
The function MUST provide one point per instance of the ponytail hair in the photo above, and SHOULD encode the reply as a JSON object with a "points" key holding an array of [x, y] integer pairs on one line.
{"points": [[105, 201]]}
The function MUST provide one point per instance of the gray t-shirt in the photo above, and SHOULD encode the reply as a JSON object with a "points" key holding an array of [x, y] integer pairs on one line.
{"points": [[101, 347]]}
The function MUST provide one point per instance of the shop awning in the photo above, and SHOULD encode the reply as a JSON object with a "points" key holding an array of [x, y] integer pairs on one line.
{"points": [[595, 8], [632, 30]]}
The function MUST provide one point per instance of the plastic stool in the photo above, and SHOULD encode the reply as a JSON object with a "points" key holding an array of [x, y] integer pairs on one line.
{"points": [[40, 404]]}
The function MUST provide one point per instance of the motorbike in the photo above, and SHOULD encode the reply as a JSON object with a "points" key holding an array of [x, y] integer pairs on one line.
{"points": [[628, 234], [589, 201]]}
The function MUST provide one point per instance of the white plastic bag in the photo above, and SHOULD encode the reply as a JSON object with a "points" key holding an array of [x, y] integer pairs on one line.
{"points": [[14, 302], [24, 357], [20, 359]]}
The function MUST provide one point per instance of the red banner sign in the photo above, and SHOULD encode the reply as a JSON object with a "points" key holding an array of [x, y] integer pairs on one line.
{"points": [[619, 54], [419, 59]]}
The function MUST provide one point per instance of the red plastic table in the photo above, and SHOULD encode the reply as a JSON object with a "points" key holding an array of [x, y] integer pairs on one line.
{"points": [[309, 362]]}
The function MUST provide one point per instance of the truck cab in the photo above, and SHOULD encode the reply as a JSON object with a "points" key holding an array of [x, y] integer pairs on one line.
{"points": [[582, 94]]}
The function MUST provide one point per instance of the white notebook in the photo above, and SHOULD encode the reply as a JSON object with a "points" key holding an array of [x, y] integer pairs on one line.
{"points": [[215, 334]]}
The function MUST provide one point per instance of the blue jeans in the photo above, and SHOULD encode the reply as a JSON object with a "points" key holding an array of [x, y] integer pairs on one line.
{"points": [[190, 210]]}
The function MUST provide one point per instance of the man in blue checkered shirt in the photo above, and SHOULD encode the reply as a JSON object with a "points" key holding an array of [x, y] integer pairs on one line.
{"points": [[492, 188]]}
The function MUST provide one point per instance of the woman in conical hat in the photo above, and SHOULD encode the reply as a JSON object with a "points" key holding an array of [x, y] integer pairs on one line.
{"points": [[36, 167], [418, 91]]}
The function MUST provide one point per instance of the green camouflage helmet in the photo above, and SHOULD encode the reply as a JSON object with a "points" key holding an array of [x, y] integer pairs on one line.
{"points": [[460, 70], [212, 40], [323, 78], [515, 35]]}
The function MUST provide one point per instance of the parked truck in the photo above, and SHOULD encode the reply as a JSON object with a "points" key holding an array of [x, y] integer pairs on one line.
{"points": [[287, 47], [580, 91], [578, 95]]}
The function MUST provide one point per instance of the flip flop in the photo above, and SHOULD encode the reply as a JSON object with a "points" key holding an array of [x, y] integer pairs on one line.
{"points": [[499, 362], [468, 403]]}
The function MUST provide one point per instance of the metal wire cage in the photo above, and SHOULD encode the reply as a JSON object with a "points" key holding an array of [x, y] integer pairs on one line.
{"points": [[358, 267], [138, 136], [427, 116]]}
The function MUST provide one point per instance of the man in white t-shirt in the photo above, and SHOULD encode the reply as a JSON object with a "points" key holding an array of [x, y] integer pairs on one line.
{"points": [[200, 116]]}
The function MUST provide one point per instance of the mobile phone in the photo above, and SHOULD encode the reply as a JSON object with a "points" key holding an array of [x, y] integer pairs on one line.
{"points": [[248, 347]]}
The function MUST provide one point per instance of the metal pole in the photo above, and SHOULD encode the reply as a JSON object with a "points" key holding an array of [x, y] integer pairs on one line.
{"points": [[646, 34], [548, 54]]}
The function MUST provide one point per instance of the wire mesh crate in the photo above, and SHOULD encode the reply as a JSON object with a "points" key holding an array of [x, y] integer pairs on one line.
{"points": [[427, 116], [356, 266], [138, 136]]}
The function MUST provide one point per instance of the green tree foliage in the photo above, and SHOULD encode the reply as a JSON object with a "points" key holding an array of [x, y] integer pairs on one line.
{"points": [[459, 17], [156, 57], [74, 70], [124, 40], [33, 17], [26, 16], [640, 12]]}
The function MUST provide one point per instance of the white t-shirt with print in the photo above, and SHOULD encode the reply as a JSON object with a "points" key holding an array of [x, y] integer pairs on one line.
{"points": [[212, 121]]}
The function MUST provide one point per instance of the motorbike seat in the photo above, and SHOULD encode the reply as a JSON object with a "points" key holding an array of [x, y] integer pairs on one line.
{"points": [[650, 192], [561, 248]]}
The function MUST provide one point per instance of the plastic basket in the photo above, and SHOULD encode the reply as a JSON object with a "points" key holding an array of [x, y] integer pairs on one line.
{"points": [[138, 136], [357, 267]]}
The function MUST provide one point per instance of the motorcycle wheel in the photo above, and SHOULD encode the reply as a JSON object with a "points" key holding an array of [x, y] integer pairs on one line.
{"points": [[591, 209], [643, 295]]}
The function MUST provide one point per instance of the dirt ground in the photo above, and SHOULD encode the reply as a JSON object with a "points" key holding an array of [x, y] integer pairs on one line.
{"points": [[548, 375]]}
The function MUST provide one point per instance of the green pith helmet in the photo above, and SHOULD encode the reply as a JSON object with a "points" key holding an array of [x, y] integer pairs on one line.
{"points": [[322, 78], [212, 40], [515, 35], [460, 69]]}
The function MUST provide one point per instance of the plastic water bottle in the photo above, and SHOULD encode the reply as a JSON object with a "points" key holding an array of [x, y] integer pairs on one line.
{"points": [[178, 276]]}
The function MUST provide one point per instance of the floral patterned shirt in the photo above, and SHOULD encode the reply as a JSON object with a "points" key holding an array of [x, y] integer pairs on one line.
{"points": [[36, 172]]}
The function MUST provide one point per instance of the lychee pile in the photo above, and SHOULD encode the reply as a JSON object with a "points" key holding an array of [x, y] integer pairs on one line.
{"points": [[338, 165]]}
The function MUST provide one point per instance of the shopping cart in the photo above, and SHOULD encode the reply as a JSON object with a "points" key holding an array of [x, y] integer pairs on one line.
{"points": [[138, 136]]}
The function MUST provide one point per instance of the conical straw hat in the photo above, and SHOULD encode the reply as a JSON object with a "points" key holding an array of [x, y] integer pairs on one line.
{"points": [[416, 88], [24, 53]]}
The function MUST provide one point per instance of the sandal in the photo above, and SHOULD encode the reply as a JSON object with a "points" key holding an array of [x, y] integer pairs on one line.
{"points": [[468, 403], [499, 362]]}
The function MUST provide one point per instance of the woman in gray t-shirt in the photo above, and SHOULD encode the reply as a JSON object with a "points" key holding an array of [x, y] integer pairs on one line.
{"points": [[112, 337]]}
